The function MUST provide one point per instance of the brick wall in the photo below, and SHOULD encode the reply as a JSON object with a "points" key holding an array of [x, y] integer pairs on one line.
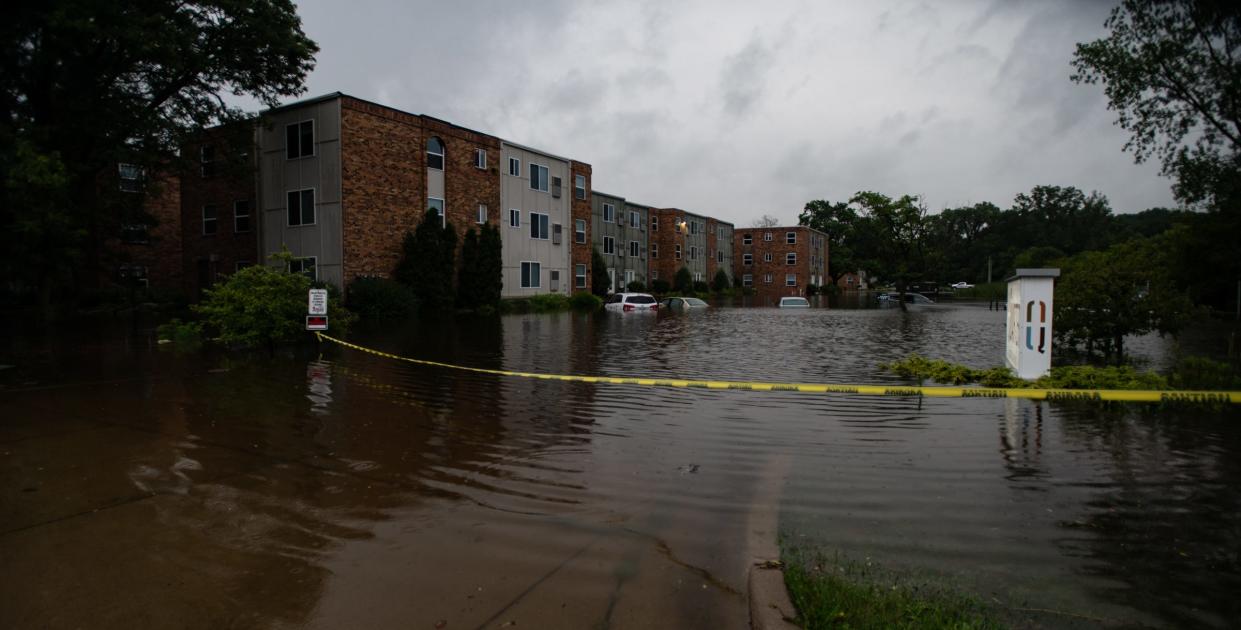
{"points": [[811, 260], [662, 241], [160, 255], [230, 178], [465, 185], [581, 209]]}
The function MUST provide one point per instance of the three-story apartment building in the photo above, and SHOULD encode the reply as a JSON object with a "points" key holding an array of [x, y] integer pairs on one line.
{"points": [[678, 239], [537, 256], [619, 230], [780, 261]]}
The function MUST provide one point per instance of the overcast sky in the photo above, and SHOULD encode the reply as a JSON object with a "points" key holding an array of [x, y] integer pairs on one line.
{"points": [[740, 109]]}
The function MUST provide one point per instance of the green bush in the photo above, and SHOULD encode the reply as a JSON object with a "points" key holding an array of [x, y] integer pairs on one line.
{"points": [[549, 302], [180, 333], [684, 280], [812, 290], [636, 287], [702, 287], [381, 298], [583, 301], [264, 306], [719, 284], [1064, 377], [1203, 373], [660, 287]]}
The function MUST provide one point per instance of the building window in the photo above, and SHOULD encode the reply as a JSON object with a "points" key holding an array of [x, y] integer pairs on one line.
{"points": [[299, 139], [206, 160], [609, 245], [480, 158], [538, 177], [579, 231], [747, 259], [482, 213], [436, 205], [538, 226], [135, 234], [719, 234], [747, 239], [767, 257], [654, 223], [790, 238], [677, 252], [241, 264], [635, 221], [766, 278], [131, 177], [307, 266], [301, 206], [514, 167], [579, 186], [609, 213], [654, 250], [693, 252], [790, 258], [654, 274], [697, 276], [766, 236], [579, 276], [747, 280], [209, 220], [694, 227], [435, 153], [719, 255], [790, 280], [633, 248], [241, 216], [531, 275], [514, 217]]}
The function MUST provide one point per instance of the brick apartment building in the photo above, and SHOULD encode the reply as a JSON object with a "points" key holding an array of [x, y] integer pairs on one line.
{"points": [[619, 231], [218, 222], [339, 181], [145, 249], [780, 261]]}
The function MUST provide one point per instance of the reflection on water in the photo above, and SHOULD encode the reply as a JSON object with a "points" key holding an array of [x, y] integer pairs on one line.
{"points": [[339, 489]]}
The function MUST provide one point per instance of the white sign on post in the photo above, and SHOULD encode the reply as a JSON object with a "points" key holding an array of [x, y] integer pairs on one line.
{"points": [[318, 302], [1028, 348]]}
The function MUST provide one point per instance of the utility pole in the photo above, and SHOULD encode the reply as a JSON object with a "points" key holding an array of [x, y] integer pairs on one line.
{"points": [[988, 270]]}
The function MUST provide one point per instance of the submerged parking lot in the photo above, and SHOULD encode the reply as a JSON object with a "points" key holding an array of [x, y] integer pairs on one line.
{"points": [[140, 487]]}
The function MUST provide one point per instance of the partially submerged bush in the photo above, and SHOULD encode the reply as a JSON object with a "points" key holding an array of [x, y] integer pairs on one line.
{"points": [[1204, 373], [583, 301], [264, 306], [180, 333], [660, 287], [1064, 377], [381, 298], [549, 302], [636, 287]]}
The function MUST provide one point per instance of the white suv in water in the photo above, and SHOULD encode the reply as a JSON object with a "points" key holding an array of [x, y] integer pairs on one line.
{"points": [[632, 302]]}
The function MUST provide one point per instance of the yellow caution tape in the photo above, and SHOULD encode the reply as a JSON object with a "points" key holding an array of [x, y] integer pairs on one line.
{"points": [[1122, 395]]}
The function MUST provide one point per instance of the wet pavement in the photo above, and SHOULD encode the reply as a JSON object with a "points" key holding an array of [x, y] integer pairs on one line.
{"points": [[140, 487]]}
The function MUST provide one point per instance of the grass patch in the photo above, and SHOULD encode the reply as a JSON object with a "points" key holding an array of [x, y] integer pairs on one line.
{"points": [[835, 592], [1064, 377]]}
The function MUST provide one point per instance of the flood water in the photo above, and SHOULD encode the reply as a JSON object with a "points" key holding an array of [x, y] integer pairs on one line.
{"points": [[328, 488]]}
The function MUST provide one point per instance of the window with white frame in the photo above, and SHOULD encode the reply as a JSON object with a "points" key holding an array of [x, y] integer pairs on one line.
{"points": [[514, 217], [766, 236], [531, 275], [654, 274], [480, 158], [131, 176], [299, 139], [206, 160], [719, 233], [436, 205], [633, 248], [538, 177], [538, 226], [654, 250], [747, 259], [790, 238], [767, 257], [697, 276], [719, 255], [766, 278], [635, 221], [747, 280], [654, 223], [790, 279], [435, 153], [301, 207], [693, 252], [579, 276], [579, 230], [482, 213], [241, 216], [514, 167], [677, 252], [209, 220], [629, 275], [747, 239], [609, 245], [579, 186], [307, 266], [609, 213], [790, 258]]}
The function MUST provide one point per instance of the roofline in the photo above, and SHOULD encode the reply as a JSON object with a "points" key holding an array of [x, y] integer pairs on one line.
{"points": [[534, 150], [339, 95], [608, 194], [787, 227]]}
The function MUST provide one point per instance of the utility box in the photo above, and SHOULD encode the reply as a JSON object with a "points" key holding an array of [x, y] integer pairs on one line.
{"points": [[1030, 293]]}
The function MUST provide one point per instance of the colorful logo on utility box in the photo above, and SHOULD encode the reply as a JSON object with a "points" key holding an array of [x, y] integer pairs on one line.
{"points": [[1042, 327]]}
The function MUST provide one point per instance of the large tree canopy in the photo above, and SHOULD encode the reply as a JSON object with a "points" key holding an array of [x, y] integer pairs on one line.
{"points": [[85, 85], [1172, 72]]}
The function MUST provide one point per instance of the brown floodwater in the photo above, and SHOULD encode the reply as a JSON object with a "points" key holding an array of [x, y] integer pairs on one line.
{"points": [[325, 488]]}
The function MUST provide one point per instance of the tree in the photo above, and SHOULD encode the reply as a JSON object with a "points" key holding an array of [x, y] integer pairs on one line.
{"points": [[469, 272], [1129, 289], [490, 267], [426, 265], [837, 221], [87, 85], [1171, 70], [891, 238], [600, 284], [720, 282], [765, 221], [683, 281]]}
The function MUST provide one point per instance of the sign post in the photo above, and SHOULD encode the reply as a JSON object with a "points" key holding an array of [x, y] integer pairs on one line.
{"points": [[1028, 348], [317, 309]]}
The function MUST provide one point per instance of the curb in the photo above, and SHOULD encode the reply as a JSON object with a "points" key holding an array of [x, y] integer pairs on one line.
{"points": [[770, 606]]}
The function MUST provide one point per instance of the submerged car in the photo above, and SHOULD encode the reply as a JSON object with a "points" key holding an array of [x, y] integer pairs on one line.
{"points": [[794, 302], [961, 285], [631, 302], [682, 303]]}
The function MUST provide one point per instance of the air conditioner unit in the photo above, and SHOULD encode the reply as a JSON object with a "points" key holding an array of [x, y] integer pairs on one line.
{"points": [[556, 187], [556, 234]]}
